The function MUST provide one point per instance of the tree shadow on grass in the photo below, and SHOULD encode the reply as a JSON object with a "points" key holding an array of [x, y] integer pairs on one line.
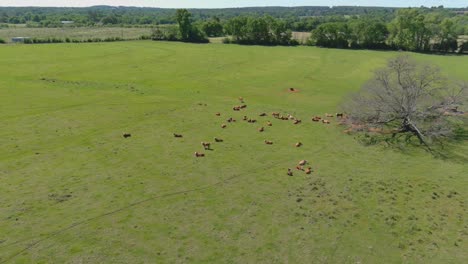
{"points": [[454, 149]]}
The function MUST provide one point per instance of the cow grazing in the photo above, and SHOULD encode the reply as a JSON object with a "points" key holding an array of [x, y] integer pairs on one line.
{"points": [[268, 142], [290, 173], [218, 114], [298, 144], [206, 145], [339, 115], [308, 170], [325, 121], [127, 135], [329, 115], [245, 118], [198, 155], [177, 135], [218, 140], [269, 123], [263, 114], [243, 106], [236, 108], [302, 162], [297, 121], [223, 126], [299, 168], [261, 129], [275, 114]]}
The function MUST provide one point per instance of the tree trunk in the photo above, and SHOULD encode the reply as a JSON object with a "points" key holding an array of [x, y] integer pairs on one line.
{"points": [[410, 127]]}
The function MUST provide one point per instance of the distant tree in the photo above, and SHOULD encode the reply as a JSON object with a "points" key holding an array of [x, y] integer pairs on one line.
{"points": [[188, 31], [331, 35], [213, 27], [409, 99], [185, 24], [409, 30], [368, 33]]}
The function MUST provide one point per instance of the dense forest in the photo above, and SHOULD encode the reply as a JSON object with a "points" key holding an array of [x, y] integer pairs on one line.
{"points": [[299, 18]]}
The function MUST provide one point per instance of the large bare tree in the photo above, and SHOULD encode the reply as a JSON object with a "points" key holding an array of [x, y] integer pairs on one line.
{"points": [[409, 98]]}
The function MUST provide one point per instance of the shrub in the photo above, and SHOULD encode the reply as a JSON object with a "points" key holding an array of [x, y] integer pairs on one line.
{"points": [[2, 41]]}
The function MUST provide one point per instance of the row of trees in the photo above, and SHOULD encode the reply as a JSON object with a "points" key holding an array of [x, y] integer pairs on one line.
{"points": [[411, 29], [264, 30]]}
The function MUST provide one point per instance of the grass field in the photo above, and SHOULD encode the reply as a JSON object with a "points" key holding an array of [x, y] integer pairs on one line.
{"points": [[78, 33], [73, 190]]}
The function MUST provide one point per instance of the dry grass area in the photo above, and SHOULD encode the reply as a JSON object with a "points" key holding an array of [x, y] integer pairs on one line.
{"points": [[301, 36], [80, 33]]}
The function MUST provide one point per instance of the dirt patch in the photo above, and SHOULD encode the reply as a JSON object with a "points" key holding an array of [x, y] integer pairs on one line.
{"points": [[293, 90]]}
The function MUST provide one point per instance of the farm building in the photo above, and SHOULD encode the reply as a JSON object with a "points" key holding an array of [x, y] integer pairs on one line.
{"points": [[18, 39]]}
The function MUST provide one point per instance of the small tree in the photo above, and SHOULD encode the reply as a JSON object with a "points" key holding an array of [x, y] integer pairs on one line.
{"points": [[409, 98]]}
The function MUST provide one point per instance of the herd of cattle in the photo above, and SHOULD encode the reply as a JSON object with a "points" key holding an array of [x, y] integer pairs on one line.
{"points": [[301, 166]]}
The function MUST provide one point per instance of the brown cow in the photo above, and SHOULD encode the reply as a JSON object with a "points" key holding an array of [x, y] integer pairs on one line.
{"points": [[231, 120], [298, 144], [236, 108], [316, 118], [263, 114], [245, 118], [261, 129], [339, 115], [329, 115], [309, 170], [199, 154], [325, 121], [218, 114], [297, 121], [223, 126], [243, 106], [268, 142], [302, 162], [206, 145], [299, 168], [269, 123], [218, 139], [127, 135], [177, 135], [290, 173], [275, 114]]}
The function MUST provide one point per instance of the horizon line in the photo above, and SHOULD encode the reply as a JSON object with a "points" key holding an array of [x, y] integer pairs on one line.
{"points": [[45, 6]]}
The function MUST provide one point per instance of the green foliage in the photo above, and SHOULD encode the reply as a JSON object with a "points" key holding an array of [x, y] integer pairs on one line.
{"points": [[188, 32], [213, 28], [264, 30], [2, 41]]}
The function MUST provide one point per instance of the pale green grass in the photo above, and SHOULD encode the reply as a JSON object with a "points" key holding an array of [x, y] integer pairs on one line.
{"points": [[63, 160]]}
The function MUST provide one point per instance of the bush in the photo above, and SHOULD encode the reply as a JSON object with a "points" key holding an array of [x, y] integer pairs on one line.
{"points": [[2, 41], [226, 40]]}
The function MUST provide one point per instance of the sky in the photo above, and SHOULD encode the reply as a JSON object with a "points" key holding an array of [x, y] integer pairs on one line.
{"points": [[233, 3]]}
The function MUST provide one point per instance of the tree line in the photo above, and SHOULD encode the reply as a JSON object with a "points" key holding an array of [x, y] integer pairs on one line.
{"points": [[411, 29]]}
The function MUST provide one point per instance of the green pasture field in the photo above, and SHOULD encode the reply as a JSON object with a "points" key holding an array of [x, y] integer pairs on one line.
{"points": [[78, 33], [73, 190]]}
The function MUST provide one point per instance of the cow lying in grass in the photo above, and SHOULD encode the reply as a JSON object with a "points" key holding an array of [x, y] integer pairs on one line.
{"points": [[198, 155], [177, 135]]}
